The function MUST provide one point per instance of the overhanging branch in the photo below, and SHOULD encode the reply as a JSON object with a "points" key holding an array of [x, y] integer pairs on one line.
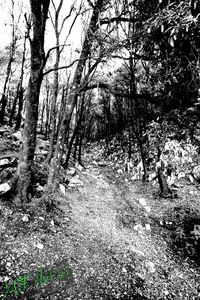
{"points": [[71, 64], [114, 92]]}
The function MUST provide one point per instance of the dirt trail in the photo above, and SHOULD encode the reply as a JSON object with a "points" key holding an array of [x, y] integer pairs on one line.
{"points": [[115, 257], [103, 239]]}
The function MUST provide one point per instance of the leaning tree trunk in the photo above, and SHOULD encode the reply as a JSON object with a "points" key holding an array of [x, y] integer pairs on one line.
{"points": [[23, 177]]}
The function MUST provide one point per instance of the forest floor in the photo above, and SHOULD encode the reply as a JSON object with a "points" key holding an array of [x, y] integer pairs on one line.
{"points": [[109, 238]]}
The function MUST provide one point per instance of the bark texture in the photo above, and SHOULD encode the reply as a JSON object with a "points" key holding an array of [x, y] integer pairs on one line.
{"points": [[23, 178], [165, 191]]}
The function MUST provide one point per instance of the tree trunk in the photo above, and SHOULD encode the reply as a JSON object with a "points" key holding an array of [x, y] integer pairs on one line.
{"points": [[53, 112], [75, 133], [85, 53], [62, 110], [19, 92], [20, 108], [55, 84], [23, 177], [144, 159], [14, 105], [47, 110], [165, 191], [4, 95], [80, 148], [75, 146], [8, 71], [42, 116]]}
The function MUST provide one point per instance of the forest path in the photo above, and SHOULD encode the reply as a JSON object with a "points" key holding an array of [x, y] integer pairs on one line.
{"points": [[112, 244], [114, 254]]}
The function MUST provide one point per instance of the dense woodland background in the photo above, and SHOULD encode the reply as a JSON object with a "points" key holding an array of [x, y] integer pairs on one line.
{"points": [[99, 149], [132, 83]]}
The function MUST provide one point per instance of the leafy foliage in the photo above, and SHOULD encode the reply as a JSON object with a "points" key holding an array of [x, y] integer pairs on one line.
{"points": [[187, 233], [172, 41]]}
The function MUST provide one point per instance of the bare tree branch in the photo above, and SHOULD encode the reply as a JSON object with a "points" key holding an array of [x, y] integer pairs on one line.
{"points": [[52, 20], [53, 5], [90, 3], [69, 15], [115, 92], [74, 21], [59, 7], [72, 25], [61, 68], [53, 48], [72, 63]]}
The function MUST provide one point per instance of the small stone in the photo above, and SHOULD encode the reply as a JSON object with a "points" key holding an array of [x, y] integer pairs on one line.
{"points": [[40, 188], [25, 218], [135, 177], [8, 264], [6, 278], [102, 164], [4, 187], [119, 171], [137, 251], [152, 176], [181, 175], [4, 162], [166, 293], [18, 135], [196, 172], [147, 208], [62, 188], [191, 178], [138, 227], [40, 246], [79, 167], [150, 266], [148, 227], [142, 202], [75, 181], [43, 152], [71, 172]]}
